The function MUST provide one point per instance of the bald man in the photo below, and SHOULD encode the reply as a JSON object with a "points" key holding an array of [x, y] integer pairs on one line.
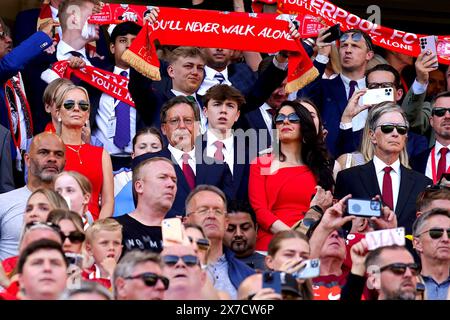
{"points": [[45, 159]]}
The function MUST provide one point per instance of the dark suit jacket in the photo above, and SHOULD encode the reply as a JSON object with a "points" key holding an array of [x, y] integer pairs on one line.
{"points": [[241, 77], [254, 120], [6, 173], [207, 172], [361, 182], [419, 162]]}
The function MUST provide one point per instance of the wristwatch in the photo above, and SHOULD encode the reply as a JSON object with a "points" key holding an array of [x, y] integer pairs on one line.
{"points": [[317, 209]]}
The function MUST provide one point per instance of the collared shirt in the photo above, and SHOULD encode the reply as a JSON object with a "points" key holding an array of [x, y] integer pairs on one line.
{"points": [[359, 120], [267, 117], [210, 81], [178, 156], [203, 119], [218, 273], [56, 18], [395, 176], [228, 150], [106, 122], [437, 156], [436, 291]]}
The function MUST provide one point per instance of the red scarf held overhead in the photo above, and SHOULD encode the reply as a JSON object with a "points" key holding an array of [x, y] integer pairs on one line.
{"points": [[113, 84], [391, 39], [214, 29]]}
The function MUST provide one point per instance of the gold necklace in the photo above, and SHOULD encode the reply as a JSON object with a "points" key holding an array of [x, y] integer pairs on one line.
{"points": [[76, 151]]}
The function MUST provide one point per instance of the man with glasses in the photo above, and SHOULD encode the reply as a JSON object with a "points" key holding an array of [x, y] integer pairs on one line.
{"points": [[392, 272], [45, 160], [206, 206], [433, 197], [382, 76], [385, 176], [179, 124], [331, 96], [182, 267], [431, 233], [435, 161], [138, 276]]}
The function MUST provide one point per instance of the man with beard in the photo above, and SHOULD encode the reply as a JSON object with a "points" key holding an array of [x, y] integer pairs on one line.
{"points": [[392, 272], [240, 235], [432, 242], [44, 161], [436, 160]]}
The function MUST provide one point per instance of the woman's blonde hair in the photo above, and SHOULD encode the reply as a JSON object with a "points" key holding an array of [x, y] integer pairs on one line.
{"points": [[53, 88], [54, 198], [82, 181], [55, 216]]}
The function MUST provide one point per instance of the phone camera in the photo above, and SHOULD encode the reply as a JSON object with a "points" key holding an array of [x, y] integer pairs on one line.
{"points": [[375, 205]]}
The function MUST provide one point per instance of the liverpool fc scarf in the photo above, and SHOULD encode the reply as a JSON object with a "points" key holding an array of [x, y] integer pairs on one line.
{"points": [[215, 29], [391, 39]]}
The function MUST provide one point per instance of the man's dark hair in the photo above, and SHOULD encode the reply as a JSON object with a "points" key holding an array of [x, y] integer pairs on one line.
{"points": [[173, 102], [366, 37], [427, 196], [444, 94], [124, 28], [43, 244], [388, 68], [237, 206], [373, 257], [222, 92]]}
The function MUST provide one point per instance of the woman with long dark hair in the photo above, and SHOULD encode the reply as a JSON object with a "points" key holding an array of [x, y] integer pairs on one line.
{"points": [[283, 182]]}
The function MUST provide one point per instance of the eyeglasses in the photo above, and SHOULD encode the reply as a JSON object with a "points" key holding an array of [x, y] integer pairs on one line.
{"points": [[74, 237], [70, 104], [400, 268], [355, 36], [202, 244], [439, 111], [436, 233], [292, 118], [189, 260], [176, 121], [3, 34], [376, 85], [205, 211], [389, 127], [150, 279], [38, 224]]}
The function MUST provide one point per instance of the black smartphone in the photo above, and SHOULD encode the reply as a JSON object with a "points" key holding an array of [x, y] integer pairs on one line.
{"points": [[272, 279], [364, 207], [335, 33]]}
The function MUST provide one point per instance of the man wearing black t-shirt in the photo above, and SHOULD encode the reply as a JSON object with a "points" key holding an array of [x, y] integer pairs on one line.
{"points": [[154, 187]]}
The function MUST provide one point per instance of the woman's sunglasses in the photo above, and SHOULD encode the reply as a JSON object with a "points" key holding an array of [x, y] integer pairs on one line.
{"points": [[400, 268], [439, 111], [436, 233], [292, 118], [388, 128], [74, 237], [202, 244], [70, 104], [189, 260], [150, 279]]}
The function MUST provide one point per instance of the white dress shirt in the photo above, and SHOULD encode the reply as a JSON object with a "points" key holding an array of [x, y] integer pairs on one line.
{"points": [[437, 156], [203, 119], [395, 176], [56, 18], [267, 117], [210, 81], [228, 149], [178, 156], [106, 121], [358, 121]]}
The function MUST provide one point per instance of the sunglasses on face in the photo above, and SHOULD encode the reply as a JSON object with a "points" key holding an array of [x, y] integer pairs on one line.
{"points": [[292, 118], [150, 279], [400, 268], [189, 260], [70, 104], [389, 127], [355, 36], [202, 244], [74, 237], [439, 111], [437, 233]]}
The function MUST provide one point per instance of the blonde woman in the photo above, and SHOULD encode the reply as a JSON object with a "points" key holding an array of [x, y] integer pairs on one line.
{"points": [[51, 91]]}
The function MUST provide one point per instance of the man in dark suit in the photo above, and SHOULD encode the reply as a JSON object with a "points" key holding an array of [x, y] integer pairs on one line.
{"points": [[331, 96], [179, 123], [6, 176], [385, 175], [436, 160]]}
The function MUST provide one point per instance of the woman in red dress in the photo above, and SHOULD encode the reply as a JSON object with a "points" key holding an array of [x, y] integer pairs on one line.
{"points": [[282, 183], [93, 162]]}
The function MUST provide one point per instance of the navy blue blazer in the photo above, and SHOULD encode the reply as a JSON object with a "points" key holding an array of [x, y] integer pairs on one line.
{"points": [[361, 182], [241, 77], [207, 172], [254, 120], [419, 162]]}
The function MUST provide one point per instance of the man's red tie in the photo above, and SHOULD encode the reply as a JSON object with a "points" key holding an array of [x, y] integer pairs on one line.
{"points": [[188, 172], [442, 164], [272, 112], [388, 197], [218, 155]]}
